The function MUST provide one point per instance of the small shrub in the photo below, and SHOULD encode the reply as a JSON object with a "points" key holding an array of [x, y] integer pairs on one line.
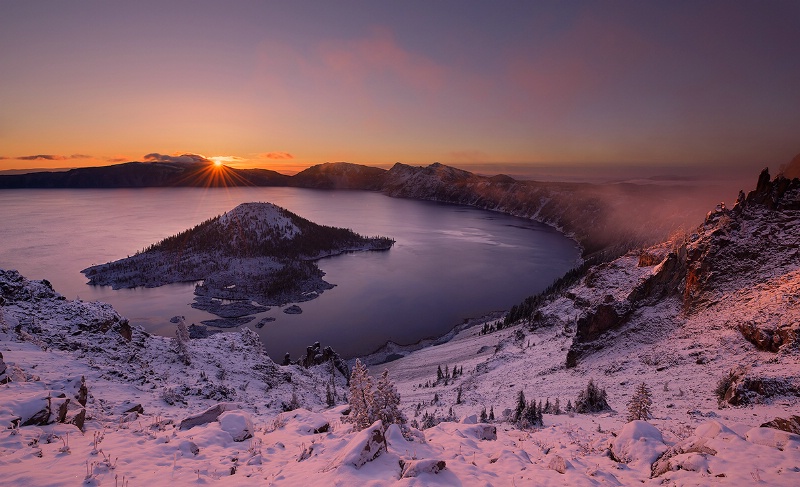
{"points": [[725, 382]]}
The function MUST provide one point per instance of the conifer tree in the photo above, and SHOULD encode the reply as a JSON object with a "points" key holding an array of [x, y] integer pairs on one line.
{"points": [[484, 417], [521, 405], [361, 398], [439, 374], [386, 402], [592, 399], [640, 405], [458, 397], [557, 407], [491, 413]]}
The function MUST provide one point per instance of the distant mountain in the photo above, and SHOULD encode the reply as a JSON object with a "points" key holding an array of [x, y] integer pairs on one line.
{"points": [[145, 174], [339, 175]]}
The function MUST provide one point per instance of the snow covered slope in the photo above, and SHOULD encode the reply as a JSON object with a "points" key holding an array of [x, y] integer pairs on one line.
{"points": [[708, 321]]}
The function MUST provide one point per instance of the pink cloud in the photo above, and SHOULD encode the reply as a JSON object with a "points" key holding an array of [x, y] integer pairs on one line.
{"points": [[357, 60], [276, 156]]}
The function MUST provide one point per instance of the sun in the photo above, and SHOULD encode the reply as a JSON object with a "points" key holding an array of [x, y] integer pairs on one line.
{"points": [[218, 163]]}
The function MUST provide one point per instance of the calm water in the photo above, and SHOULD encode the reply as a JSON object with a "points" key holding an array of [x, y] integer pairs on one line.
{"points": [[449, 263]]}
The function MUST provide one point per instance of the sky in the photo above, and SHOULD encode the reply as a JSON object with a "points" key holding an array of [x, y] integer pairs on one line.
{"points": [[496, 86]]}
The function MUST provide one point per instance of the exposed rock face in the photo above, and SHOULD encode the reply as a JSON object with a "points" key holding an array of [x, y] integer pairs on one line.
{"points": [[749, 389], [316, 355], [791, 424], [770, 337], [761, 232]]}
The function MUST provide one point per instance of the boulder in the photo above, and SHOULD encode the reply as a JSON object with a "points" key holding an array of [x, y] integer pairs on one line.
{"points": [[366, 445], [559, 464], [209, 415], [639, 442], [413, 468], [238, 424]]}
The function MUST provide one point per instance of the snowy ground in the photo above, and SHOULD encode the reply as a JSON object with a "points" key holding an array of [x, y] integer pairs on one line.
{"points": [[212, 411]]}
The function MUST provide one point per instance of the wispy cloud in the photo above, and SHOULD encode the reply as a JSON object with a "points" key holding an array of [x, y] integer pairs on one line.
{"points": [[185, 158], [50, 157], [276, 156], [43, 157]]}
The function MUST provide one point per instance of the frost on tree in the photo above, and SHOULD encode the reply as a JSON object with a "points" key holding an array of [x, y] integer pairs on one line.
{"points": [[386, 402], [369, 404], [641, 404], [362, 409]]}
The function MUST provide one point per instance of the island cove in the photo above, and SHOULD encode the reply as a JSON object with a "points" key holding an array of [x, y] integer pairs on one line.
{"points": [[254, 256]]}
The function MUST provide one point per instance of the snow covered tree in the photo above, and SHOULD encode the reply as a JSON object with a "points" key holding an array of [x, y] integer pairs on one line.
{"points": [[386, 402], [458, 396], [361, 398], [640, 405], [439, 374], [592, 399], [484, 417], [491, 413], [521, 405]]}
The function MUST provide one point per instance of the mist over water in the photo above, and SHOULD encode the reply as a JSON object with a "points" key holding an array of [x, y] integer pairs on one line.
{"points": [[449, 263]]}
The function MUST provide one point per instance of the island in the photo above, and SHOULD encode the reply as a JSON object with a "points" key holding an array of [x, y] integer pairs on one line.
{"points": [[254, 256]]}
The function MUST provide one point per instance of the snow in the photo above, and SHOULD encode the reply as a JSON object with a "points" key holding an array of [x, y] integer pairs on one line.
{"points": [[49, 342]]}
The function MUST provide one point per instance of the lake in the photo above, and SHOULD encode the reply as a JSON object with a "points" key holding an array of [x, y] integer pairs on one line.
{"points": [[449, 262]]}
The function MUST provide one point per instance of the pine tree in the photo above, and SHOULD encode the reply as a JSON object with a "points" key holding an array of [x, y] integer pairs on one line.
{"points": [[569, 405], [547, 406], [458, 397], [640, 405], [521, 405], [592, 399], [386, 402], [491, 413], [361, 397], [557, 407], [439, 374], [484, 417]]}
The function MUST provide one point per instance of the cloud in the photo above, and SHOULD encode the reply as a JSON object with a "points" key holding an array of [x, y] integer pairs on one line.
{"points": [[44, 157], [80, 156], [276, 155], [4, 158], [184, 158], [117, 159]]}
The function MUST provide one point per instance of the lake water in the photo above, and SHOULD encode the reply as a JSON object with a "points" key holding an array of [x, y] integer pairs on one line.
{"points": [[449, 262]]}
